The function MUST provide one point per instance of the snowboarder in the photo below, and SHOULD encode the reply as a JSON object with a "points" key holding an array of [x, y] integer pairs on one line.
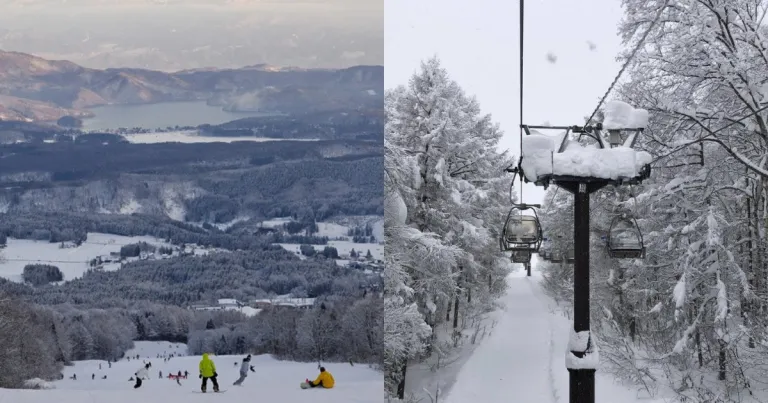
{"points": [[244, 370], [208, 371], [74, 377], [325, 379], [104, 377], [143, 372]]}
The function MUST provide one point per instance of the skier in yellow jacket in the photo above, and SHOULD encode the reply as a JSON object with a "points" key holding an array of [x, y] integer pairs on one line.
{"points": [[208, 371], [325, 379]]}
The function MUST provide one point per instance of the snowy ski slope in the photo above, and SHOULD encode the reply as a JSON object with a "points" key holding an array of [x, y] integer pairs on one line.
{"points": [[273, 381], [523, 361]]}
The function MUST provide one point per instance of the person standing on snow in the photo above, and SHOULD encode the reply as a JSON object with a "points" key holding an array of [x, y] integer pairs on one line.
{"points": [[208, 371], [244, 370], [325, 379], [143, 372]]}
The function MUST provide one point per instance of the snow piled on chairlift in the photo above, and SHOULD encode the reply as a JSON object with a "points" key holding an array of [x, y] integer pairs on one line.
{"points": [[581, 342], [621, 115], [541, 159]]}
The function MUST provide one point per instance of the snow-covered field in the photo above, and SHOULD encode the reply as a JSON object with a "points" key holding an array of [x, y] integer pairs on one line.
{"points": [[190, 136], [337, 231], [75, 261], [523, 357], [344, 247], [273, 381], [72, 262]]}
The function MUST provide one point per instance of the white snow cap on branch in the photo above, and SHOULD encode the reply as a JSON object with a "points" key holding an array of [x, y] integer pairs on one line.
{"points": [[581, 342]]}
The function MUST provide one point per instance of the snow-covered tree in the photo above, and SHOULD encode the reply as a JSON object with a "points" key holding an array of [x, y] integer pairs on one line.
{"points": [[692, 313], [445, 200]]}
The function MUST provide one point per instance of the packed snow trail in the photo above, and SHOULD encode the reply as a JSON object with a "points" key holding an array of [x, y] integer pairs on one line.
{"points": [[523, 360], [513, 363]]}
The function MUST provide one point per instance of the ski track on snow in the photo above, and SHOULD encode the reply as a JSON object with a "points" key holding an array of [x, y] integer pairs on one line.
{"points": [[515, 361], [523, 361], [537, 292]]}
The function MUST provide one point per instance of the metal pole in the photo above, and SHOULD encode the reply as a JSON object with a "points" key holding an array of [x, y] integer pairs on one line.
{"points": [[582, 381]]}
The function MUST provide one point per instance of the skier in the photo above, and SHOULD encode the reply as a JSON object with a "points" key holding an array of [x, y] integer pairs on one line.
{"points": [[143, 372], [325, 379], [93, 376], [186, 374], [161, 374], [244, 370], [208, 371]]}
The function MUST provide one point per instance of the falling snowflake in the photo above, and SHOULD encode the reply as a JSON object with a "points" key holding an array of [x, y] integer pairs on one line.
{"points": [[552, 58]]}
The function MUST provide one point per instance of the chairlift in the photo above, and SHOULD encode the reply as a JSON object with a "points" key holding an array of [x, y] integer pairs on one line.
{"points": [[544, 246], [556, 256], [522, 230], [625, 241], [570, 255], [545, 249], [521, 256]]}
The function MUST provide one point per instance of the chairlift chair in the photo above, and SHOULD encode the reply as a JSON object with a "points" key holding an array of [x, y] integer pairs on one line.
{"points": [[556, 256], [546, 254], [544, 246], [570, 255], [625, 240], [521, 256], [522, 230]]}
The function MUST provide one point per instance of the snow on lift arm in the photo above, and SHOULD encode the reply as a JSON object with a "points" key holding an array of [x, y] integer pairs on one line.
{"points": [[541, 159]]}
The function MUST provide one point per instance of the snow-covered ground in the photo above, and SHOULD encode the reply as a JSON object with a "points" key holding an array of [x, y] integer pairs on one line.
{"points": [[343, 247], [337, 231], [245, 310], [190, 136], [524, 357], [75, 261], [72, 262], [273, 381]]}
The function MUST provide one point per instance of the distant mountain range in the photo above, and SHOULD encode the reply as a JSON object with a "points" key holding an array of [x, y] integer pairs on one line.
{"points": [[34, 89]]}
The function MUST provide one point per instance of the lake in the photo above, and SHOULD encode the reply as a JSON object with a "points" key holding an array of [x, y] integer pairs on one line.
{"points": [[161, 115]]}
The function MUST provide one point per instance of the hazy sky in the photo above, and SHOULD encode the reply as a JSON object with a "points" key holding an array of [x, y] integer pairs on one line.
{"points": [[478, 43], [183, 34]]}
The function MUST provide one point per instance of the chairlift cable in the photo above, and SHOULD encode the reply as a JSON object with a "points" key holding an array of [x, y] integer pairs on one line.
{"points": [[629, 59], [522, 14]]}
